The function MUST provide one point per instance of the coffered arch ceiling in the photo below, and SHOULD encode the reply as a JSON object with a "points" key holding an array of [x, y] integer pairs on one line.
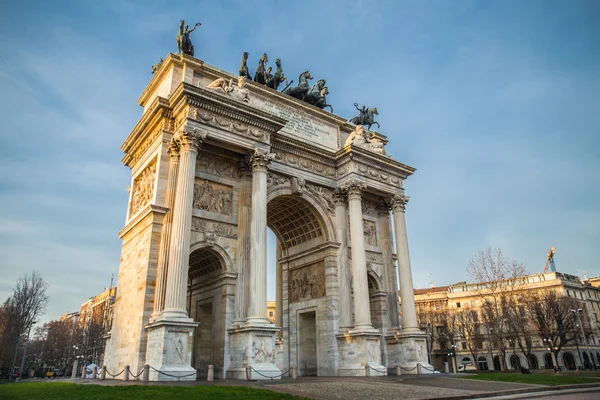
{"points": [[294, 220]]}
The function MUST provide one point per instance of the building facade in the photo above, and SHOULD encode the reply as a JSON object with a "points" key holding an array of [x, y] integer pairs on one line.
{"points": [[583, 352]]}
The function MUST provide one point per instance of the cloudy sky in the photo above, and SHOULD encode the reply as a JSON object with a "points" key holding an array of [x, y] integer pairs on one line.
{"points": [[496, 103]]}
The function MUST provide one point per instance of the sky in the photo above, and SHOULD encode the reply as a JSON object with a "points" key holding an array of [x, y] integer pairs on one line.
{"points": [[495, 103]]}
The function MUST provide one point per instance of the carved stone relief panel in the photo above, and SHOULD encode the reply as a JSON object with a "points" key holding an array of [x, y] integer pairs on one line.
{"points": [[177, 348], [143, 188], [274, 179], [213, 197], [324, 194], [370, 232], [306, 164], [263, 348], [218, 228], [223, 167], [369, 171], [229, 124], [307, 282]]}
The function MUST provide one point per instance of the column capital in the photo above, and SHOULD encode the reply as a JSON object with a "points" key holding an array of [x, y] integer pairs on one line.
{"points": [[398, 202], [259, 160], [339, 196], [354, 188], [173, 149], [190, 139]]}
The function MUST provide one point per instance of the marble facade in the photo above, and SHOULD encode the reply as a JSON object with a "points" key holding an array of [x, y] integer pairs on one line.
{"points": [[211, 170]]}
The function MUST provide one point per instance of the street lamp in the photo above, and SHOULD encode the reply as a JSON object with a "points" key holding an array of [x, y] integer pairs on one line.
{"points": [[552, 349], [577, 313], [25, 351], [429, 331]]}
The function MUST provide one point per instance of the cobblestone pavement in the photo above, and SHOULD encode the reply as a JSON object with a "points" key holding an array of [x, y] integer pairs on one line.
{"points": [[387, 387]]}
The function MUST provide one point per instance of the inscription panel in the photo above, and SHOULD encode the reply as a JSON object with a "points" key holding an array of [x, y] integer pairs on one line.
{"points": [[300, 124]]}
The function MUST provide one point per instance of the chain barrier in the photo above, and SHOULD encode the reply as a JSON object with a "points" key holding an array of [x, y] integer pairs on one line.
{"points": [[175, 376], [425, 368], [136, 376], [114, 376], [381, 372], [272, 377], [408, 369]]}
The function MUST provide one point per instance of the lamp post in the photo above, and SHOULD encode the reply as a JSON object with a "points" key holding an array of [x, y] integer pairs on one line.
{"points": [[577, 313], [452, 355], [552, 349], [428, 338]]}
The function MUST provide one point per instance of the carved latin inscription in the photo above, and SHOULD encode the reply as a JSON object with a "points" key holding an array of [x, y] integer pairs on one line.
{"points": [[213, 197], [143, 188], [307, 282]]}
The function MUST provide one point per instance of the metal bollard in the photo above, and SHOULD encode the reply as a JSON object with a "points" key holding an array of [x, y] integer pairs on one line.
{"points": [[294, 372], [419, 372], [146, 375], [367, 370], [211, 373], [446, 367], [398, 371], [83, 372], [103, 373], [95, 372], [126, 373]]}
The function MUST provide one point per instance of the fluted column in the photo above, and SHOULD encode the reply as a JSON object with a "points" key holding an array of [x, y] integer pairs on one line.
{"points": [[257, 311], [409, 310], [163, 256], [362, 311], [179, 248], [341, 224]]}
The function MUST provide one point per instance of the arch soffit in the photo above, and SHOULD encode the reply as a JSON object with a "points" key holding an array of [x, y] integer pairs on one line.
{"points": [[214, 248], [322, 215]]}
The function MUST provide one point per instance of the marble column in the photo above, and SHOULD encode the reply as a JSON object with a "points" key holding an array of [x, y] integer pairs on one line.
{"points": [[387, 250], [278, 285], [362, 310], [163, 257], [409, 310], [341, 223], [257, 311], [243, 250], [179, 247]]}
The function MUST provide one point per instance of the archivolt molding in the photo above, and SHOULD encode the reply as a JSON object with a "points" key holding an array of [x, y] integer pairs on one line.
{"points": [[210, 257]]}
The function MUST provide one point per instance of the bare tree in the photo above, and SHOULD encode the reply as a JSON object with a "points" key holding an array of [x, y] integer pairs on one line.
{"points": [[553, 320], [519, 328], [470, 329], [496, 278]]}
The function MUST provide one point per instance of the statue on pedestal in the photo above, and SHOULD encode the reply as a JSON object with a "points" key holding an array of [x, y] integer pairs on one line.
{"points": [[361, 138], [184, 43]]}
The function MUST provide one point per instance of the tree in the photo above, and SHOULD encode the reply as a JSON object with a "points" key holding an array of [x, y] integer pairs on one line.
{"points": [[496, 278], [21, 309], [471, 330], [519, 328], [553, 320]]}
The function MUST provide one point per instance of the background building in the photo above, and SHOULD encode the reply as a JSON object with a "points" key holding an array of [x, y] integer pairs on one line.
{"points": [[453, 316]]}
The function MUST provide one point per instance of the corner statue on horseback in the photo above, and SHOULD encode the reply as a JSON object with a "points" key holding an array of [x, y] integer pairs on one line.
{"points": [[365, 116], [184, 43]]}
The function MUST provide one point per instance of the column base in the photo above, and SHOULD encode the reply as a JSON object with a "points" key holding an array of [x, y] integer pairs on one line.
{"points": [[408, 349], [169, 350], [357, 351], [252, 345]]}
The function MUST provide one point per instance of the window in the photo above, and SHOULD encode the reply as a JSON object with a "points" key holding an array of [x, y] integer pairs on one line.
{"points": [[458, 304], [568, 293], [270, 313], [464, 345]]}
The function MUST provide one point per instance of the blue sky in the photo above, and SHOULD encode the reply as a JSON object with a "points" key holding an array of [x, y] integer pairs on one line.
{"points": [[496, 103]]}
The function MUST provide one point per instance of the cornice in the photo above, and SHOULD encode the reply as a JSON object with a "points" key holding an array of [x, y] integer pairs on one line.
{"points": [[299, 148], [151, 209], [208, 100], [359, 154]]}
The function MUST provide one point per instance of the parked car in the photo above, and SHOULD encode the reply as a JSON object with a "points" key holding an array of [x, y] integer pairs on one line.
{"points": [[467, 368]]}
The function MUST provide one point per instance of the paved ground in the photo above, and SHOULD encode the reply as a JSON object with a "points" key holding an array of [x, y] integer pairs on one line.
{"points": [[392, 387]]}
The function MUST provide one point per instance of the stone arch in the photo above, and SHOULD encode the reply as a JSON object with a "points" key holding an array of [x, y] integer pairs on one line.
{"points": [[548, 361], [569, 361], [482, 363], [533, 362], [515, 362], [308, 200], [214, 248]]}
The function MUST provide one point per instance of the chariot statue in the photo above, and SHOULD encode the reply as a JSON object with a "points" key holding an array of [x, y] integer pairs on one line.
{"points": [[184, 43], [301, 90], [365, 116], [274, 80], [318, 98]]}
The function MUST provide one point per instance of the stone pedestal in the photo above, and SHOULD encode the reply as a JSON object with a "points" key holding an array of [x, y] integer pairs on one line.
{"points": [[357, 350], [169, 350], [408, 350], [253, 346]]}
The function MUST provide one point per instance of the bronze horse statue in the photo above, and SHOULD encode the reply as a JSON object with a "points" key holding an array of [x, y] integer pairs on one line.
{"points": [[277, 77], [301, 90], [244, 68], [318, 98], [365, 117], [260, 75]]}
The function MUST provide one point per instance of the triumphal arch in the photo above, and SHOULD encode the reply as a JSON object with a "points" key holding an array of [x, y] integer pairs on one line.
{"points": [[217, 158]]}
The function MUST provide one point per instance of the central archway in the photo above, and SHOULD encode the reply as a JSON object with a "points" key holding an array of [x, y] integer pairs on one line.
{"points": [[300, 226]]}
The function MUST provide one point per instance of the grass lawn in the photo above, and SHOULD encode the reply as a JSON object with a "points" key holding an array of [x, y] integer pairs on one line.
{"points": [[60, 391], [537, 379]]}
